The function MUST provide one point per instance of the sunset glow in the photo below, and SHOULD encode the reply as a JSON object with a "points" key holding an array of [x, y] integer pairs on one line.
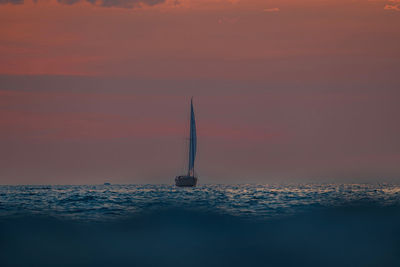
{"points": [[281, 87]]}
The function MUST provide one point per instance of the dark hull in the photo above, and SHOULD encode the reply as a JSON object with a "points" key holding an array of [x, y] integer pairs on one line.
{"points": [[185, 181]]}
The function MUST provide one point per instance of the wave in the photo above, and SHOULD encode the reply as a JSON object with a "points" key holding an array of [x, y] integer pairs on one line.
{"points": [[357, 234]]}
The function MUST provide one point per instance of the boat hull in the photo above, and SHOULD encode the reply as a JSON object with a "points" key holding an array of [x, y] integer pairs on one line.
{"points": [[185, 181]]}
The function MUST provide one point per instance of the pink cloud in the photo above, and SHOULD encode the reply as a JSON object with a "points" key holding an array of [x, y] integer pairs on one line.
{"points": [[273, 9], [392, 7]]}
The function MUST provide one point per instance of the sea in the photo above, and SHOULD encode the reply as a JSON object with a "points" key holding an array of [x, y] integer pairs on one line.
{"points": [[314, 224]]}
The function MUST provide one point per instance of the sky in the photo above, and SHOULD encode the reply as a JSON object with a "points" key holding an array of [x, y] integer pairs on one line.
{"points": [[284, 91]]}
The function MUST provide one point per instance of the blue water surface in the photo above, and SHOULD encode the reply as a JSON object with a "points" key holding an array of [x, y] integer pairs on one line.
{"points": [[210, 225], [254, 201]]}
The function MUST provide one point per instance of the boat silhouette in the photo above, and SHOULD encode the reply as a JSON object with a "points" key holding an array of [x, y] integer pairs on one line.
{"points": [[190, 179]]}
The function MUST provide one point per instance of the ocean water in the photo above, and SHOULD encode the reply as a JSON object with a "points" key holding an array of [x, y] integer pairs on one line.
{"points": [[210, 225]]}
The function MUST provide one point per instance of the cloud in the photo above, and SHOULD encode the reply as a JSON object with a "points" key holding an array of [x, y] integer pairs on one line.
{"points": [[68, 2], [392, 7], [112, 3], [274, 9], [129, 3], [13, 2]]}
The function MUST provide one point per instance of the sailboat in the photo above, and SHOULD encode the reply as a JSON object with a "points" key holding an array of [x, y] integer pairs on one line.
{"points": [[190, 180]]}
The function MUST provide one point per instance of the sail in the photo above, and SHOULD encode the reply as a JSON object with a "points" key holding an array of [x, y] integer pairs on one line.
{"points": [[193, 141]]}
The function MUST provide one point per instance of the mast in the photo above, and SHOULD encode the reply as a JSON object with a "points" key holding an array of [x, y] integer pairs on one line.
{"points": [[193, 140]]}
